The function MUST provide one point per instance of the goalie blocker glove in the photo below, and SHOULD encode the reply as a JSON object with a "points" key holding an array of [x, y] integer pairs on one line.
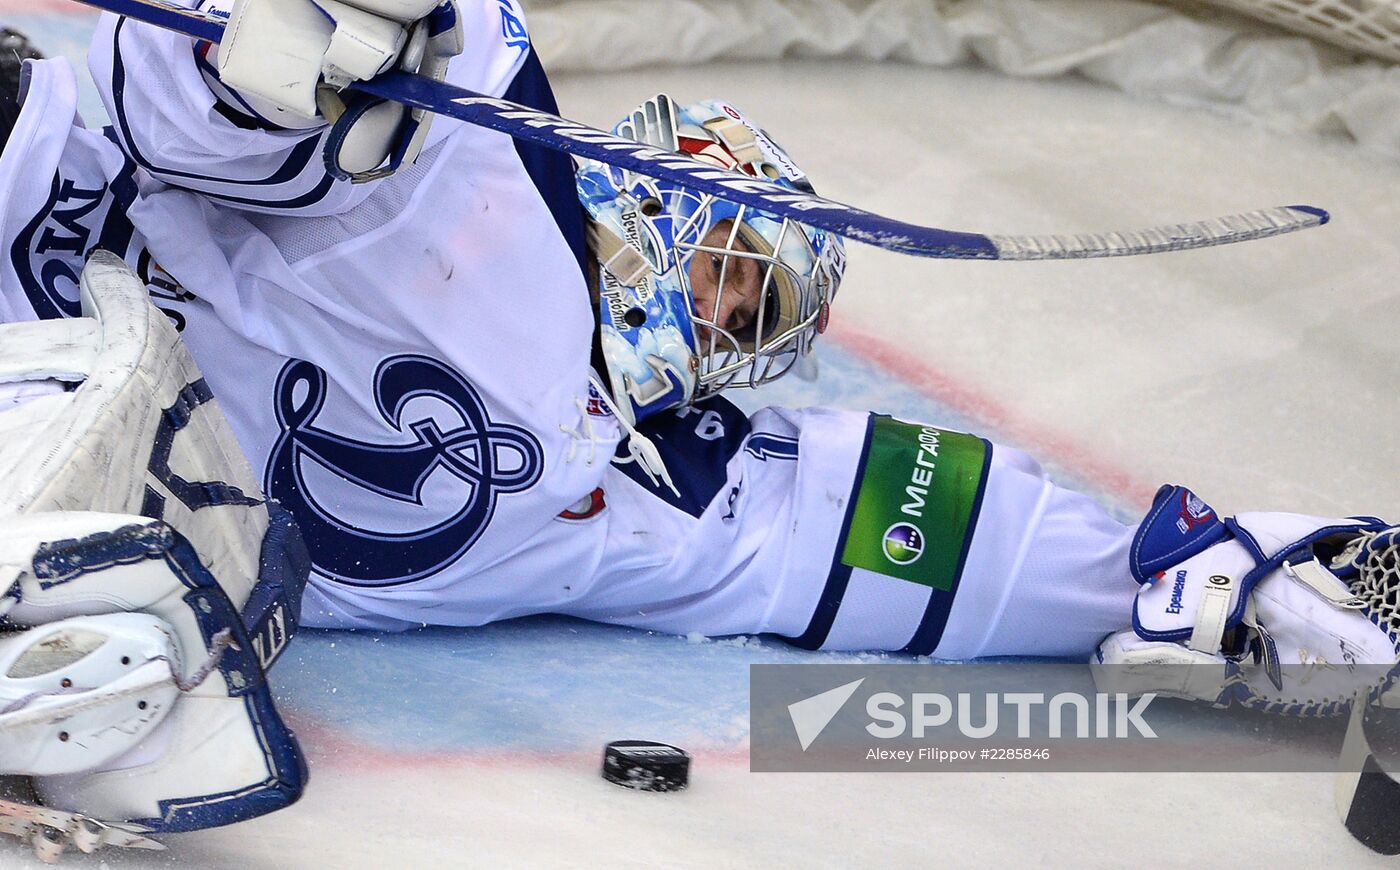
{"points": [[1279, 612], [288, 63], [145, 586]]}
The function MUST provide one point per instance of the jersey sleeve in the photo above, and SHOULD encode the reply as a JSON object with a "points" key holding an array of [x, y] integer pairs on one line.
{"points": [[156, 87], [66, 190], [842, 530]]}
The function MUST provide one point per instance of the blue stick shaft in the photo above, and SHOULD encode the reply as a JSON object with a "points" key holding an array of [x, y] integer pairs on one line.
{"points": [[560, 134]]}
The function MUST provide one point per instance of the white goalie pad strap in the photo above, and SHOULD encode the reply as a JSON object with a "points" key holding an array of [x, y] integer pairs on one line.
{"points": [[59, 349], [738, 138], [1323, 582], [617, 258], [1212, 614]]}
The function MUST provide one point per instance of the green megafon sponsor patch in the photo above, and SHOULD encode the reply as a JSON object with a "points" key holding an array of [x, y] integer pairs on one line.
{"points": [[918, 493]]}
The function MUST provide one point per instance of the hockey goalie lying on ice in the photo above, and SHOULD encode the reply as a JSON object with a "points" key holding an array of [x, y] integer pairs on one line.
{"points": [[487, 384]]}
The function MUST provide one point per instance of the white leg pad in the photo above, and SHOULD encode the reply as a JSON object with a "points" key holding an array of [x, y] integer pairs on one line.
{"points": [[77, 693], [129, 494]]}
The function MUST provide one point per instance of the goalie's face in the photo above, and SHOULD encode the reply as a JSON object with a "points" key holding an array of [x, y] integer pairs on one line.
{"points": [[758, 291], [727, 290]]}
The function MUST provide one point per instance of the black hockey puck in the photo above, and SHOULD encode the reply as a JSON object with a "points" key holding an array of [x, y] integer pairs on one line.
{"points": [[646, 765]]}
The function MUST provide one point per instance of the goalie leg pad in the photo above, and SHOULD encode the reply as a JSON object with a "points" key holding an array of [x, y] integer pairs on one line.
{"points": [[129, 494], [77, 693], [223, 755]]}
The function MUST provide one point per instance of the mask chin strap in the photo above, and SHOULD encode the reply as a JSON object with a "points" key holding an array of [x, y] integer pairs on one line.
{"points": [[640, 448]]}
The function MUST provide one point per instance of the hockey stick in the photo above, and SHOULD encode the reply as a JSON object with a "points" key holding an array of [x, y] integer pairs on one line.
{"points": [[577, 139], [1368, 798]]}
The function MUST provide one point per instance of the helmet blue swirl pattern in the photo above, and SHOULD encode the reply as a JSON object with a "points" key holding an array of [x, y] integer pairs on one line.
{"points": [[661, 351]]}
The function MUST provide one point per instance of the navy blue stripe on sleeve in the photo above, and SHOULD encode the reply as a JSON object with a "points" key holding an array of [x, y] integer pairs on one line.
{"points": [[940, 604], [838, 578]]}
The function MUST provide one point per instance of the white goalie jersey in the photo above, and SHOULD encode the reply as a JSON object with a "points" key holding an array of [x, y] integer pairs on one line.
{"points": [[407, 365]]}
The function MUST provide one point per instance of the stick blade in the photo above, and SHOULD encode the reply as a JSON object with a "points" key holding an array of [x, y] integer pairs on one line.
{"points": [[1155, 240]]}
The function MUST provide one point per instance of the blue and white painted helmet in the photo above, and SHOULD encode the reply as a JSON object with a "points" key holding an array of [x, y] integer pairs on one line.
{"points": [[661, 350]]}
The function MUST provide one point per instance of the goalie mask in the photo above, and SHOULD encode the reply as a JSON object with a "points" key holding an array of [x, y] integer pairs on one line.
{"points": [[697, 294]]}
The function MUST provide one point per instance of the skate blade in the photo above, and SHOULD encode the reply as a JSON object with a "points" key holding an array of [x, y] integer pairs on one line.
{"points": [[51, 831]]}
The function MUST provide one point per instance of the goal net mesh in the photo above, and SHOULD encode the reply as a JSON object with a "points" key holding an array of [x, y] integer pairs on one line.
{"points": [[1367, 26], [1341, 78]]}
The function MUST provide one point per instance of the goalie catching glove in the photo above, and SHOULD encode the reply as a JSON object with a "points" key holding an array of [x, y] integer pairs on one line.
{"points": [[290, 62], [145, 587], [1278, 612]]}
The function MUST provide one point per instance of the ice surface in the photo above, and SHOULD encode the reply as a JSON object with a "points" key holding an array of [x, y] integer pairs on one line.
{"points": [[1262, 375]]}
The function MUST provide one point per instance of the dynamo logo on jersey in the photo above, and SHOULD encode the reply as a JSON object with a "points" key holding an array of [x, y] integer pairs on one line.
{"points": [[381, 513]]}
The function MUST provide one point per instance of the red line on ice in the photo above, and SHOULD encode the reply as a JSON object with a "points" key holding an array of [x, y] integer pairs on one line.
{"points": [[1041, 441], [334, 748], [34, 7]]}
